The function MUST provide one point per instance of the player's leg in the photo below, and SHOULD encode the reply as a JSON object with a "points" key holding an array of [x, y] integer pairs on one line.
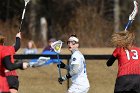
{"points": [[75, 88], [126, 92], [72, 89], [71, 92], [13, 83], [85, 90]]}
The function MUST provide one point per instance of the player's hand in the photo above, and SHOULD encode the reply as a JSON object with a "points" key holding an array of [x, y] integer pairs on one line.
{"points": [[62, 65], [18, 35], [25, 65], [61, 79]]}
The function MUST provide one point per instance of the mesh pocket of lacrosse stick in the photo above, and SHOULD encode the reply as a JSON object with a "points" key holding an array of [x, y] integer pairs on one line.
{"points": [[57, 46], [40, 62]]}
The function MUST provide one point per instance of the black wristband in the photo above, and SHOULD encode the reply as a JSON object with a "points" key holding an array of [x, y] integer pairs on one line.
{"points": [[68, 76]]}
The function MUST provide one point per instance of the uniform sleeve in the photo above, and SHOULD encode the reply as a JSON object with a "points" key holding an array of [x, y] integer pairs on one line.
{"points": [[74, 69], [17, 44], [9, 65], [115, 53], [111, 60], [113, 57]]}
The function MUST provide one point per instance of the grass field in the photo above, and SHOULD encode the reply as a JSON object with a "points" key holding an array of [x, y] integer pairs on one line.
{"points": [[44, 79]]}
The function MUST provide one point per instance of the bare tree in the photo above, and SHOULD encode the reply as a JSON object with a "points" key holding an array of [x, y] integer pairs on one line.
{"points": [[32, 19], [116, 16]]}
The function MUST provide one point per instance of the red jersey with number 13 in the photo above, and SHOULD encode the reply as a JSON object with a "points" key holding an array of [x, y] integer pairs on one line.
{"points": [[128, 61]]}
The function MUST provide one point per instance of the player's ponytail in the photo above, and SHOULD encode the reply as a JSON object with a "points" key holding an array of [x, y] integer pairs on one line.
{"points": [[123, 39]]}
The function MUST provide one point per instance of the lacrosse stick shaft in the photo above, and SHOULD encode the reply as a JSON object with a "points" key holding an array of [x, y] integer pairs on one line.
{"points": [[128, 24], [23, 13], [59, 70]]}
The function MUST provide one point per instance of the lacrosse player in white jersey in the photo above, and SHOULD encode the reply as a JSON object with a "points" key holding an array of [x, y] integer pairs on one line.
{"points": [[76, 68]]}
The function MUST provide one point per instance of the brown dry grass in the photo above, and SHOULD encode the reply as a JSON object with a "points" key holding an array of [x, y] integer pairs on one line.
{"points": [[44, 79]]}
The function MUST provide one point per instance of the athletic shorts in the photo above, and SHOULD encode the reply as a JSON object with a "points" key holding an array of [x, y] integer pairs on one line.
{"points": [[13, 82], [127, 92], [75, 88], [127, 84]]}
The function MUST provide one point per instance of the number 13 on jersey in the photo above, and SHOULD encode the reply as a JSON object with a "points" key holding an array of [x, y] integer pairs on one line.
{"points": [[134, 56]]}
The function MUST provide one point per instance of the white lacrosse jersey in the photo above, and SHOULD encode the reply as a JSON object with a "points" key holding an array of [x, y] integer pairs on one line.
{"points": [[81, 77]]}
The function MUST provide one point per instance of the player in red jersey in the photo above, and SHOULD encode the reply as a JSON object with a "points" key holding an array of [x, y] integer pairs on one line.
{"points": [[12, 76], [128, 78], [5, 62]]}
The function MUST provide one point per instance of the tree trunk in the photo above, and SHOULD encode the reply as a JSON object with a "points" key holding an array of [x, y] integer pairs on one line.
{"points": [[44, 30], [32, 23], [116, 16]]}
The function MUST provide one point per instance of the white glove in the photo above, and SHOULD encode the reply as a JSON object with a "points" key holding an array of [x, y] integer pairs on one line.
{"points": [[18, 35]]}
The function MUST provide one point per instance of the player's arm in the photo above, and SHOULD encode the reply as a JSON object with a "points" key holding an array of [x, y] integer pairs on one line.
{"points": [[74, 70], [17, 43], [62, 65], [111, 60], [12, 66]]}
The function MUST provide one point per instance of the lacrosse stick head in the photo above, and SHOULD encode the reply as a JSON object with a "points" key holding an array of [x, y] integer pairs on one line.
{"points": [[134, 12], [57, 46], [132, 15], [40, 62], [26, 1]]}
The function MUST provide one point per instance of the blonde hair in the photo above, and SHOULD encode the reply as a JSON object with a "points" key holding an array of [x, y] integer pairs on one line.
{"points": [[123, 39], [33, 44]]}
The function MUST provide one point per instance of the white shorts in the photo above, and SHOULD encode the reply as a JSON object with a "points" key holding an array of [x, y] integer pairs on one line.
{"points": [[75, 88]]}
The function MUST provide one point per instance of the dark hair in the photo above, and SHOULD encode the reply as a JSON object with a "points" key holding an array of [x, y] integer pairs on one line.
{"points": [[74, 35], [2, 39]]}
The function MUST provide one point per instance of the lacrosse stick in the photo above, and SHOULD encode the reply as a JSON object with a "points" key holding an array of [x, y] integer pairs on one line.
{"points": [[40, 62], [57, 47], [132, 15], [26, 2]]}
